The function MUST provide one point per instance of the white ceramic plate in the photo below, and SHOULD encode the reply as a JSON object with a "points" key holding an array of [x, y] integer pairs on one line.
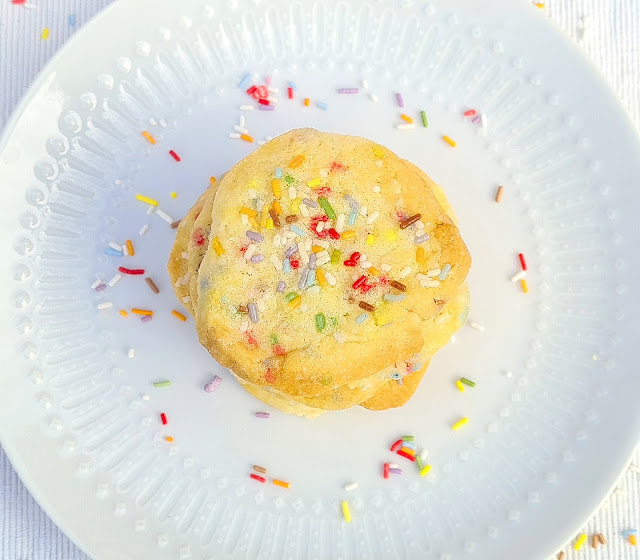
{"points": [[542, 447]]}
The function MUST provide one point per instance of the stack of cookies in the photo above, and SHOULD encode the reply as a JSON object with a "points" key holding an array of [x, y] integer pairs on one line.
{"points": [[324, 272]]}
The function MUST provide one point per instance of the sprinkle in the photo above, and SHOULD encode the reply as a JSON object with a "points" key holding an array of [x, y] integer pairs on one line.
{"points": [[262, 415], [169, 439], [146, 318], [406, 126], [129, 246], [351, 486], [257, 258], [124, 313], [110, 251], [163, 419], [423, 117], [174, 156], [359, 282], [144, 229], [580, 541], [394, 297], [294, 228], [135, 271], [444, 272], [328, 210], [146, 312], [290, 92], [258, 478], [346, 512], [148, 137], [421, 238], [449, 141], [330, 279], [362, 318], [335, 256], [321, 322], [525, 286], [131, 353], [307, 101], [234, 135], [150, 210], [594, 541], [399, 100], [105, 305], [178, 315], [114, 280], [425, 470], [72, 20], [373, 271], [213, 384], [420, 255], [164, 216], [311, 277], [475, 325], [281, 483], [373, 217], [310, 203], [259, 469], [159, 384], [115, 246], [470, 113], [406, 447], [395, 470], [397, 445], [321, 105], [348, 90], [406, 455], [291, 251], [240, 128], [45, 34], [253, 312], [244, 81], [281, 286], [460, 386], [146, 200], [217, 246], [409, 221], [406, 118], [467, 382], [499, 193], [523, 263], [602, 539], [398, 286], [385, 470], [519, 276], [248, 211], [463, 421], [125, 251], [97, 283], [349, 234], [246, 138]]}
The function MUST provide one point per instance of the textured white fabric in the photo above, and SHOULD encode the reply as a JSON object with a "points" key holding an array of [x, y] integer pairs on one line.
{"points": [[608, 31]]}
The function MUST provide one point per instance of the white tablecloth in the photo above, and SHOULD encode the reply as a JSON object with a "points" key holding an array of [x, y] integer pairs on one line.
{"points": [[607, 30]]}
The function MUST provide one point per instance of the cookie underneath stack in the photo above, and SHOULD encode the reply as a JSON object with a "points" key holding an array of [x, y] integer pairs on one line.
{"points": [[324, 272]]}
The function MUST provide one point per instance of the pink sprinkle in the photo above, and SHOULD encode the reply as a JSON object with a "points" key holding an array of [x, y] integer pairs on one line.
{"points": [[348, 90], [399, 100], [101, 287], [263, 415], [146, 318], [213, 384]]}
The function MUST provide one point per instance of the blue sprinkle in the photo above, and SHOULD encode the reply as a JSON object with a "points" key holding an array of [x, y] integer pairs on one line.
{"points": [[394, 297], [311, 278], [352, 218], [292, 86], [409, 445], [278, 172], [244, 81], [112, 251], [295, 229], [445, 271], [286, 266], [628, 532], [362, 318], [395, 375], [72, 20], [321, 105]]}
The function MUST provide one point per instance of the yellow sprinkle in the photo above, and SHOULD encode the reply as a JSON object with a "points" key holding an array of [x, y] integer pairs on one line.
{"points": [[314, 183], [174, 194], [276, 187], [253, 183], [391, 235], [371, 239], [449, 141], [460, 386], [141, 311], [146, 199], [307, 101], [321, 278], [406, 118], [248, 212], [276, 206], [124, 313], [269, 223], [317, 249], [346, 512], [212, 181], [217, 246], [45, 34], [374, 271], [580, 541], [296, 161], [425, 470], [264, 216], [294, 207], [349, 234], [539, 4], [525, 286], [460, 423], [379, 152], [130, 248], [381, 315], [281, 483], [169, 439], [633, 540], [420, 255], [178, 315], [296, 301], [148, 137]]}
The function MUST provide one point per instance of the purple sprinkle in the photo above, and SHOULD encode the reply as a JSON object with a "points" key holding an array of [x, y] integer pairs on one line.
{"points": [[310, 203], [212, 385], [355, 205], [255, 236], [399, 100], [312, 260], [101, 287], [281, 287], [476, 120], [395, 471], [291, 251], [422, 238], [348, 90], [265, 107], [253, 312], [257, 258], [303, 278], [146, 318], [263, 415]]}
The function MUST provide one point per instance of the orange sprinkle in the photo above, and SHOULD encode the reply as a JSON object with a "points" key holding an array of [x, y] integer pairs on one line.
{"points": [[148, 137], [373, 271], [321, 278], [142, 311], [408, 451], [178, 315], [317, 249], [281, 483], [169, 439], [525, 286], [212, 181], [130, 248], [248, 211], [246, 137], [124, 313], [276, 187], [406, 118], [633, 540], [296, 161], [276, 206], [420, 255], [307, 101], [349, 234]]}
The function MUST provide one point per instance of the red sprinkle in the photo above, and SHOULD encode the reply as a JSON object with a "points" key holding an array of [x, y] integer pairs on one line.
{"points": [[270, 376], [262, 92], [251, 338], [323, 191], [134, 271], [18, 1], [403, 454], [294, 263], [251, 90], [313, 225], [523, 263], [279, 350], [359, 282], [349, 262], [337, 166], [163, 417], [263, 101], [397, 445], [257, 477], [470, 113], [174, 155], [199, 239], [290, 92], [355, 256], [385, 471], [334, 234]]}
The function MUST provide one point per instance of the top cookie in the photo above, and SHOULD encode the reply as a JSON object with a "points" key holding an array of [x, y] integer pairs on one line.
{"points": [[325, 255]]}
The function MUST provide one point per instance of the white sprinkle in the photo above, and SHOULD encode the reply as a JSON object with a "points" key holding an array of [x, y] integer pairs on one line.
{"points": [[385, 267], [240, 129], [421, 277], [330, 278], [96, 283], [125, 250], [366, 264], [276, 262], [340, 338], [246, 107], [323, 173], [405, 272], [292, 192], [251, 249], [340, 223], [322, 258], [423, 454], [164, 216], [242, 121], [364, 84], [273, 89], [144, 229], [185, 255], [429, 283], [322, 243], [163, 123], [373, 217], [115, 280], [320, 227], [304, 256], [244, 326], [276, 240], [419, 224], [406, 126], [259, 205], [393, 465], [150, 209], [363, 257], [261, 305], [244, 219], [315, 289], [519, 276], [115, 246], [290, 234], [105, 305], [186, 299], [375, 188], [145, 397], [308, 243], [178, 282], [363, 210], [234, 135], [452, 340], [352, 486], [252, 193], [508, 374], [273, 100], [131, 353], [475, 325], [483, 120], [373, 97], [153, 121], [433, 272], [304, 210]]}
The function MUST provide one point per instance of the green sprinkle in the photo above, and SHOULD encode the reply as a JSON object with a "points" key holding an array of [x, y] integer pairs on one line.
{"points": [[419, 463], [328, 210], [333, 322], [273, 338], [162, 383], [335, 256], [289, 179], [423, 116], [467, 382], [321, 322], [408, 438], [291, 296]]}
